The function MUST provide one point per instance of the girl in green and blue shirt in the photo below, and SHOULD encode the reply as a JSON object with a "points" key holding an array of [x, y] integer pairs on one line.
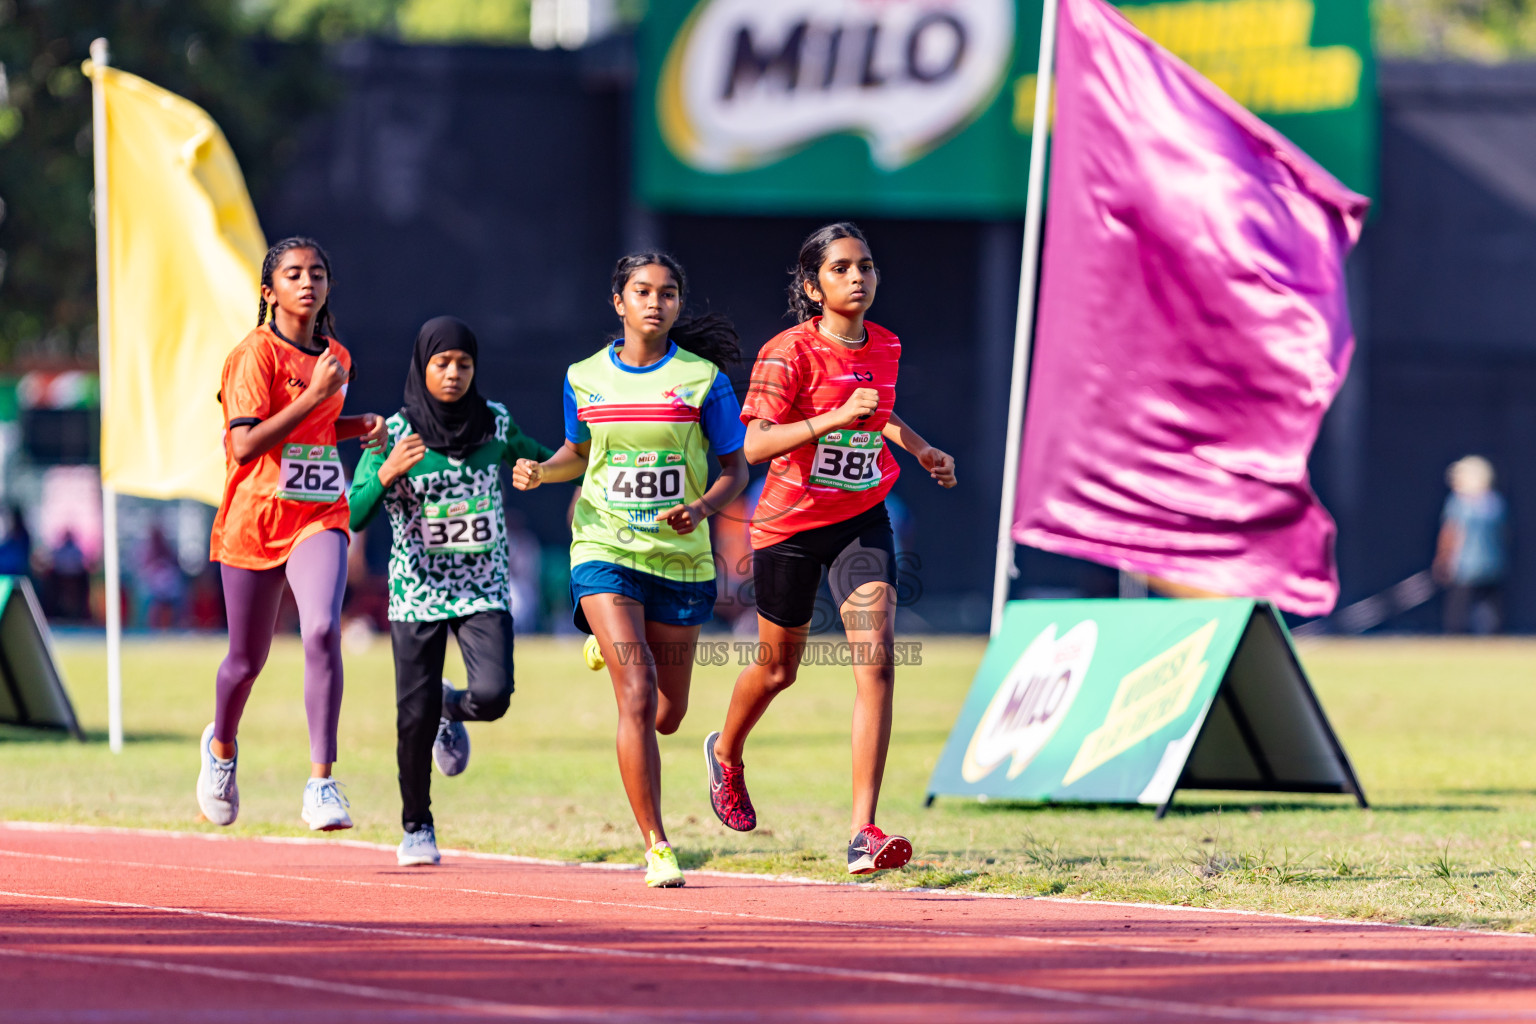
{"points": [[642, 416]]}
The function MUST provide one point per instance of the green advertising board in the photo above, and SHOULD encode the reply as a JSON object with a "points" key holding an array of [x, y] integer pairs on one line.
{"points": [[1129, 701], [32, 691], [924, 107]]}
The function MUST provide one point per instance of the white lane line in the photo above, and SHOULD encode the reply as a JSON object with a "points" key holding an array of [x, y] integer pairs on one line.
{"points": [[154, 833], [1167, 1008], [1418, 967], [397, 996]]}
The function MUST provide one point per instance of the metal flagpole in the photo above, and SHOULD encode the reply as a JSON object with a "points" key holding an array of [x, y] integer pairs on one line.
{"points": [[1024, 333], [101, 59]]}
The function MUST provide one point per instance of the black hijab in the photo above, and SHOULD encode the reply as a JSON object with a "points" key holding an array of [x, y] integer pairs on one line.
{"points": [[454, 428]]}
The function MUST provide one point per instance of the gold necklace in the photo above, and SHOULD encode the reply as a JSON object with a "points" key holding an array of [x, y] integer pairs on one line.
{"points": [[821, 325]]}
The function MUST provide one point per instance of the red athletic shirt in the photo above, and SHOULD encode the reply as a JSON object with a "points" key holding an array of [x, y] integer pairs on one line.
{"points": [[801, 374]]}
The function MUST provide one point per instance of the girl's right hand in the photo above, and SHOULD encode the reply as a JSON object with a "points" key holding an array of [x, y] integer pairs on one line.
{"points": [[527, 474], [409, 451], [859, 405], [329, 376]]}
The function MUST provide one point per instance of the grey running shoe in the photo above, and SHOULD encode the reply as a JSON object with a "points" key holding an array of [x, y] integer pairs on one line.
{"points": [[418, 848], [217, 794], [450, 751], [325, 809]]}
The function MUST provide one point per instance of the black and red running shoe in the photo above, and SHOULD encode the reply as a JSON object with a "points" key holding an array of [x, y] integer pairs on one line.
{"points": [[873, 850], [728, 791]]}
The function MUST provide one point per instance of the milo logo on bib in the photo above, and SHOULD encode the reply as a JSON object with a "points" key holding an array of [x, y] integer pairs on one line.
{"points": [[461, 526], [310, 472], [645, 480], [848, 460]]}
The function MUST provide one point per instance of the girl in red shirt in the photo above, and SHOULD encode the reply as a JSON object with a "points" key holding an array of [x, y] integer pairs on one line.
{"points": [[284, 518], [821, 406]]}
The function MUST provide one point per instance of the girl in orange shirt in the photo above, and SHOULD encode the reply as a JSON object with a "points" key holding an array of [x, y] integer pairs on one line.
{"points": [[284, 516]]}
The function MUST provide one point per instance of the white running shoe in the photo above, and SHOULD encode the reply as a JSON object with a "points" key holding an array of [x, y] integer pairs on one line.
{"points": [[217, 794], [325, 809], [418, 848], [450, 750]]}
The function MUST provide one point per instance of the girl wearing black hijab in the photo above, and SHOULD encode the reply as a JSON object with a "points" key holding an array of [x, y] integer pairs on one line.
{"points": [[448, 562]]}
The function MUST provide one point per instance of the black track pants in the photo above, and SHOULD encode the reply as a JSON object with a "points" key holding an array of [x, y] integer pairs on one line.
{"points": [[485, 642]]}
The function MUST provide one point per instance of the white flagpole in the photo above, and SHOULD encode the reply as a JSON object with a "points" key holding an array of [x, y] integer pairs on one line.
{"points": [[1024, 333], [100, 58]]}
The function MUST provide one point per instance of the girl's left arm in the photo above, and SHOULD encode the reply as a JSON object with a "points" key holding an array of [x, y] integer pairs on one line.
{"points": [[940, 465], [731, 482], [368, 426]]}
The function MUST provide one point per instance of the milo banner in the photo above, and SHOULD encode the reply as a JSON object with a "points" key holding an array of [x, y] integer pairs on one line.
{"points": [[924, 107], [1129, 701]]}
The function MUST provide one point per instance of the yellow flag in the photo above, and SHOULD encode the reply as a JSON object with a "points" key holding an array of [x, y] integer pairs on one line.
{"points": [[184, 259]]}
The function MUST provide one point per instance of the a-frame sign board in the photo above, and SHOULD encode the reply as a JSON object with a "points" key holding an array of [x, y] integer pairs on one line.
{"points": [[32, 691], [1130, 701]]}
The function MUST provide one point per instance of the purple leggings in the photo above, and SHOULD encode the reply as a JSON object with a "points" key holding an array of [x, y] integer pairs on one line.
{"points": [[316, 570]]}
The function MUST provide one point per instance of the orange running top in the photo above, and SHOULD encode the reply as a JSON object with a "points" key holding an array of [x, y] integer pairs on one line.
{"points": [[296, 489]]}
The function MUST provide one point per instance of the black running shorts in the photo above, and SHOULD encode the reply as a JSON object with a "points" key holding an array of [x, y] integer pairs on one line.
{"points": [[854, 552]]}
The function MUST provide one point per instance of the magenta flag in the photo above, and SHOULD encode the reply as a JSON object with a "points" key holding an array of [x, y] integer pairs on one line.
{"points": [[1193, 328]]}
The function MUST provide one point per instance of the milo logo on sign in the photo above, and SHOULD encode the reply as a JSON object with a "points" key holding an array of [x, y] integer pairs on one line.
{"points": [[747, 82], [317, 452], [836, 437], [457, 508], [859, 440], [674, 457], [647, 459], [619, 458], [293, 451], [1031, 703]]}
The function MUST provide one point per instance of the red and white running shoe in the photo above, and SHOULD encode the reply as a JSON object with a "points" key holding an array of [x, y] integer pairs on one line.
{"points": [[728, 791], [873, 850]]}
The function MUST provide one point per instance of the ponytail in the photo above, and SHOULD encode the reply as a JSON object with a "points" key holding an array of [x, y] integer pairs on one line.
{"points": [[807, 268], [710, 335]]}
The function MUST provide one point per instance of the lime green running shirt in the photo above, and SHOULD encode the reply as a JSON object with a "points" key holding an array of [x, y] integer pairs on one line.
{"points": [[652, 429]]}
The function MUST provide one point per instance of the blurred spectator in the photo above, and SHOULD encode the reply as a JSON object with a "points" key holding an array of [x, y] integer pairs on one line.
{"points": [[16, 548], [366, 603], [205, 600], [1469, 558], [161, 582], [525, 557], [69, 581]]}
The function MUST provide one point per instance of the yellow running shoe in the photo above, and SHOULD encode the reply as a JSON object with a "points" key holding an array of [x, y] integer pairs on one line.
{"points": [[593, 654], [661, 870]]}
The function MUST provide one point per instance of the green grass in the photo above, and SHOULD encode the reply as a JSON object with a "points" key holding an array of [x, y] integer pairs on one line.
{"points": [[1441, 733]]}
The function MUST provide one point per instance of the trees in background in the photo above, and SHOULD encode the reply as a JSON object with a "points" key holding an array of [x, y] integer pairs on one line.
{"points": [[199, 49], [1481, 30]]}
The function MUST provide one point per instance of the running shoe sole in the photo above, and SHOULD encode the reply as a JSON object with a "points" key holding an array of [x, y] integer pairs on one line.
{"points": [[893, 853]]}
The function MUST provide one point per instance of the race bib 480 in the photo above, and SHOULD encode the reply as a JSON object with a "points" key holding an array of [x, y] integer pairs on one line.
{"points": [[645, 480], [311, 472], [849, 459]]}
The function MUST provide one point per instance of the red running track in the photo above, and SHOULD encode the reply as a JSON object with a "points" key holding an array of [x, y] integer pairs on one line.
{"points": [[112, 927]]}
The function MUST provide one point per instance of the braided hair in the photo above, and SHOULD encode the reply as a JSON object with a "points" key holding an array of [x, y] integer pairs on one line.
{"points": [[325, 324], [710, 335], [807, 268]]}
